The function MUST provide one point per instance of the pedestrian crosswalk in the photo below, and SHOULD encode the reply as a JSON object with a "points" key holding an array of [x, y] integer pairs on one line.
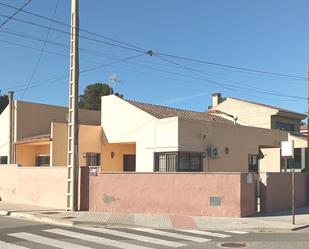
{"points": [[126, 238]]}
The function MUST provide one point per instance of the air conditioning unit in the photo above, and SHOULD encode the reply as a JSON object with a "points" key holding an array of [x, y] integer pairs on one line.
{"points": [[213, 152]]}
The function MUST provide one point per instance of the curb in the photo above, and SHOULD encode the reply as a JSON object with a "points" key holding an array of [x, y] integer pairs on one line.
{"points": [[70, 223], [115, 224], [39, 218], [4, 213], [299, 228]]}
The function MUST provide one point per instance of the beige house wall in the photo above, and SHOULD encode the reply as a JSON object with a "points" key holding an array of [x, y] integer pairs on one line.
{"points": [[248, 114], [299, 141], [116, 163], [4, 132], [26, 154], [90, 140], [59, 145], [240, 141], [44, 115], [271, 160], [124, 123]]}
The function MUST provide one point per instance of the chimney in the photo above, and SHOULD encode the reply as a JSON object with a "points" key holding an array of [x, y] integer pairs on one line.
{"points": [[216, 99], [11, 157]]}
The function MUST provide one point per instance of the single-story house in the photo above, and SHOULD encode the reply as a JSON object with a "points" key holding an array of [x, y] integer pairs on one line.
{"points": [[145, 138], [133, 136]]}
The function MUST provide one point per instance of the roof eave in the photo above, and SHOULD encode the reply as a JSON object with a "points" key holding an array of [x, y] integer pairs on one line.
{"points": [[295, 115]]}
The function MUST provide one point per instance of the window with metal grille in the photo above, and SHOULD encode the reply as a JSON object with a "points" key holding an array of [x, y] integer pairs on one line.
{"points": [[253, 163], [3, 160], [92, 159], [285, 126], [178, 161], [43, 160]]}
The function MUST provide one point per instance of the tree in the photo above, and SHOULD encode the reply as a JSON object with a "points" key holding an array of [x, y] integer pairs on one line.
{"points": [[91, 98], [4, 101]]}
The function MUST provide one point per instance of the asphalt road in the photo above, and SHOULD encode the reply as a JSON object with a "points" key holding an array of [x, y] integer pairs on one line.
{"points": [[23, 234]]}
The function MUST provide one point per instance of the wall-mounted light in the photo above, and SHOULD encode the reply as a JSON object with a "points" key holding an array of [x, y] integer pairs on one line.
{"points": [[227, 150], [112, 154]]}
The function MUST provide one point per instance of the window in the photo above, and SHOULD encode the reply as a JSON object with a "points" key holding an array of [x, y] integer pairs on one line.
{"points": [[294, 162], [166, 162], [3, 160], [178, 161], [285, 126], [92, 159], [253, 163], [43, 160]]}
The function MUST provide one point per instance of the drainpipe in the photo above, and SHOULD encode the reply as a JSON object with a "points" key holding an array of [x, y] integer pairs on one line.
{"points": [[11, 128]]}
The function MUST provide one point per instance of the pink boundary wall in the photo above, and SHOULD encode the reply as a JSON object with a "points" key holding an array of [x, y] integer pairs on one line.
{"points": [[276, 191], [173, 193], [42, 186]]}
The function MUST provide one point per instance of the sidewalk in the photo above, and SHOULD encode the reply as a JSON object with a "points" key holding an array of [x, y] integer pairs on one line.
{"points": [[280, 221]]}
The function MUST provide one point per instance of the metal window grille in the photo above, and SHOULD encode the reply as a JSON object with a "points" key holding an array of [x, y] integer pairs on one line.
{"points": [[178, 162], [285, 126], [93, 159], [253, 163], [43, 161], [3, 160]]}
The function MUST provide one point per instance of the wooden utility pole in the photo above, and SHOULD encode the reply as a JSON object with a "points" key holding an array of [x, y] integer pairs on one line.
{"points": [[73, 166]]}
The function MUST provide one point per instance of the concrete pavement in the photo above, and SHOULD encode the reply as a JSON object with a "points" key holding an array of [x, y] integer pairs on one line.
{"points": [[25, 234], [275, 222]]}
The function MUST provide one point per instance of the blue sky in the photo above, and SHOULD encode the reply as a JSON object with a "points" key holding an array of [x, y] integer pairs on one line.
{"points": [[264, 35]]}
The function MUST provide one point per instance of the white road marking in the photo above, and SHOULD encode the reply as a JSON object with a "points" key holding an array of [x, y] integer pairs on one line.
{"points": [[237, 232], [137, 237], [96, 239], [47, 241], [173, 235], [202, 232], [5, 245]]}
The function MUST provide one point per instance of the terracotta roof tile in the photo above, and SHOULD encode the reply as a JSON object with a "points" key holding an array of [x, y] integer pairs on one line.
{"points": [[160, 112]]}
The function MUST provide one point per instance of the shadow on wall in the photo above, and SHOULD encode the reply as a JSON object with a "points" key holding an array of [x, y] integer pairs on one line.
{"points": [[276, 193]]}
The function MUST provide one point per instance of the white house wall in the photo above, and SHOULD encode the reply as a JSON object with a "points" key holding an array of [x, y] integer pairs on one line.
{"points": [[125, 123]]}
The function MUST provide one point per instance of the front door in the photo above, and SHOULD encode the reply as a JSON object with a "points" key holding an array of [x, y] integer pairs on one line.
{"points": [[128, 162]]}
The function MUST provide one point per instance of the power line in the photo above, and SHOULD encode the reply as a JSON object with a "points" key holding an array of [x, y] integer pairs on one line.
{"points": [[166, 54], [228, 86], [81, 36], [55, 79], [48, 81], [14, 14], [84, 30], [156, 69], [41, 52], [230, 66]]}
